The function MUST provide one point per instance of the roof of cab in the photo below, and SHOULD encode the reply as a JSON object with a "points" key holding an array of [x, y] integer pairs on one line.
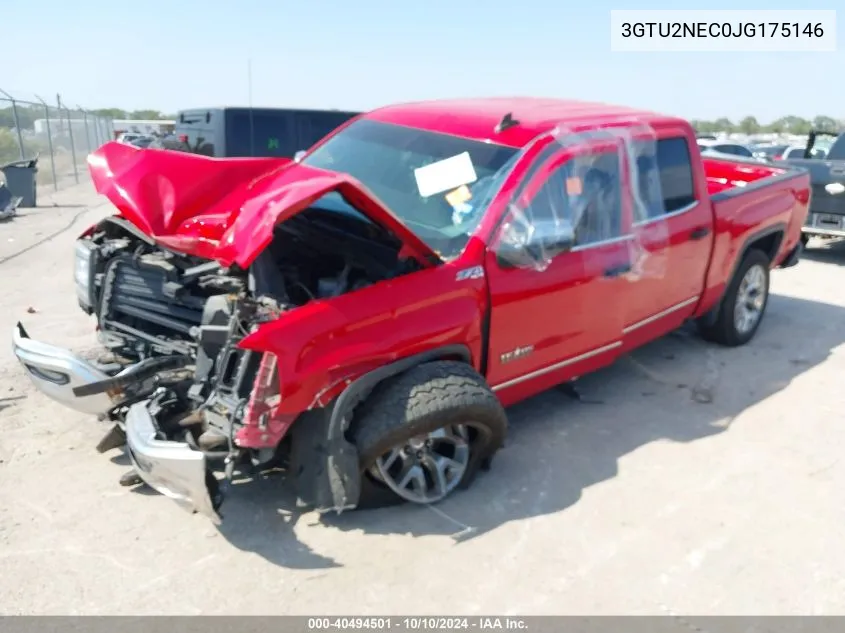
{"points": [[477, 118]]}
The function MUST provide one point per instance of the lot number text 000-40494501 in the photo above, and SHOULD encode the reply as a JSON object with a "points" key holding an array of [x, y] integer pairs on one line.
{"points": [[417, 623]]}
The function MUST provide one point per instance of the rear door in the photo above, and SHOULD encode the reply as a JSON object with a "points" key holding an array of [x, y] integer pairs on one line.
{"points": [[672, 241]]}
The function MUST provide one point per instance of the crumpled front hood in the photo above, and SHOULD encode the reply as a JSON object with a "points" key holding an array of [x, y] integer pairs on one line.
{"points": [[226, 208]]}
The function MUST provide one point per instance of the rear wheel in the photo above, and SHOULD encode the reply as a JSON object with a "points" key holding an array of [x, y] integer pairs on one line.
{"points": [[743, 305], [424, 434]]}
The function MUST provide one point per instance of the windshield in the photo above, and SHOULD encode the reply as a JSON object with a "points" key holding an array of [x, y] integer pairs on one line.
{"points": [[438, 185]]}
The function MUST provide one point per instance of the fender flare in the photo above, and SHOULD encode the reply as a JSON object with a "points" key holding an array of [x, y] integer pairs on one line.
{"points": [[368, 381], [709, 317], [325, 464]]}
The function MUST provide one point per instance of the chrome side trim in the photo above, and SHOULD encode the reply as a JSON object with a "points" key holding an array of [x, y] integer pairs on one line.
{"points": [[556, 366], [612, 240], [654, 317], [666, 216]]}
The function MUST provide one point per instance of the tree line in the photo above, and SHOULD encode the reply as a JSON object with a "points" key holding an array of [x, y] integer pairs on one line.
{"points": [[28, 113], [138, 115], [783, 125]]}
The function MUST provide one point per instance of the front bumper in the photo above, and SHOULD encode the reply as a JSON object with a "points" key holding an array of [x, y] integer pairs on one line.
{"points": [[172, 468], [56, 372]]}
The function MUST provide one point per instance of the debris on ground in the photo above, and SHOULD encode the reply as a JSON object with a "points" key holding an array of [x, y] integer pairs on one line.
{"points": [[8, 203], [704, 391]]}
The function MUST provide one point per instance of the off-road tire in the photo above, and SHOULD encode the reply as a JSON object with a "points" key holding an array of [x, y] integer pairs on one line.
{"points": [[723, 330], [421, 400]]}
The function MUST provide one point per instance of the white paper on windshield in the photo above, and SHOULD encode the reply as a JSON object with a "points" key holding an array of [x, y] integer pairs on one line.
{"points": [[444, 175]]}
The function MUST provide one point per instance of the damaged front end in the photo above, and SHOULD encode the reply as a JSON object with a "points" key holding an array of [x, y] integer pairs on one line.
{"points": [[135, 397], [187, 419], [189, 294]]}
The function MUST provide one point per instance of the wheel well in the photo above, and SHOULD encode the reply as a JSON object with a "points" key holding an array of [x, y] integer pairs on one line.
{"points": [[768, 244], [363, 387]]}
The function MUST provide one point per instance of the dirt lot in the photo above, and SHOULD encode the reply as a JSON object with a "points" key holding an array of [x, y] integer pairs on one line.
{"points": [[696, 480]]}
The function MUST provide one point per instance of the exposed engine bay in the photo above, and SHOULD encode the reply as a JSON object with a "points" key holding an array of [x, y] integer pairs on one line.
{"points": [[151, 301], [173, 324]]}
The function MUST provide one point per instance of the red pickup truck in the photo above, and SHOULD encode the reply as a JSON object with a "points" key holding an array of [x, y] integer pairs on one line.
{"points": [[361, 316]]}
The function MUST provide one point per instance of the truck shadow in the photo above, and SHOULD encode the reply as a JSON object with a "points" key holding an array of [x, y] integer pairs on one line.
{"points": [[679, 389], [825, 251]]}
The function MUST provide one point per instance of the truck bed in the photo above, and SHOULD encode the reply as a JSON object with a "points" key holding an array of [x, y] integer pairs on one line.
{"points": [[722, 174], [752, 200]]}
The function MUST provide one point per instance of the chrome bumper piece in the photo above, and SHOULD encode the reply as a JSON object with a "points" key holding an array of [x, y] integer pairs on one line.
{"points": [[172, 468], [56, 372]]}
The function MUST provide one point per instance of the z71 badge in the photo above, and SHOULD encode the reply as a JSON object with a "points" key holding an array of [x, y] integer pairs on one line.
{"points": [[476, 272], [519, 352]]}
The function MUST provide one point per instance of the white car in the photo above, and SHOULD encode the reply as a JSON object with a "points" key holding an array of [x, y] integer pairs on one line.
{"points": [[128, 137], [726, 147], [793, 151]]}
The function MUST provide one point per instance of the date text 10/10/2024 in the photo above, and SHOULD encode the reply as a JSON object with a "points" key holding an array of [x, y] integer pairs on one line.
{"points": [[416, 623]]}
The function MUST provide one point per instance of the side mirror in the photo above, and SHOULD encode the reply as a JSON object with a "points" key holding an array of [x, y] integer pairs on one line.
{"points": [[533, 244], [299, 156]]}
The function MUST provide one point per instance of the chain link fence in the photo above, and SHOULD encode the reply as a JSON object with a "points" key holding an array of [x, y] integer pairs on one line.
{"points": [[61, 137]]}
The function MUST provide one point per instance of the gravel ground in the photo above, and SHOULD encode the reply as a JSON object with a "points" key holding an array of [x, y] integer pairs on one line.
{"points": [[694, 480]]}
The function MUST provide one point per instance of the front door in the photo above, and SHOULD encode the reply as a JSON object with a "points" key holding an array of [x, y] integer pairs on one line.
{"points": [[559, 314]]}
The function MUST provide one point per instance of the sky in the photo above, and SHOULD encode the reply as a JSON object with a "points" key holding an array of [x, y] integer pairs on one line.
{"points": [[361, 54]]}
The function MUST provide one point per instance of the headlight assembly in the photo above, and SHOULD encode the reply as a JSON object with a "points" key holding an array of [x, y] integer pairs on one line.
{"points": [[82, 274]]}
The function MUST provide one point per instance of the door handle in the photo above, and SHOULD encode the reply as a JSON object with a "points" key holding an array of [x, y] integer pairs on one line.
{"points": [[616, 271], [700, 232]]}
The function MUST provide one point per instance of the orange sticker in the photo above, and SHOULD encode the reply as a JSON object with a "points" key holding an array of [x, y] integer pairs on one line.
{"points": [[574, 186], [458, 196]]}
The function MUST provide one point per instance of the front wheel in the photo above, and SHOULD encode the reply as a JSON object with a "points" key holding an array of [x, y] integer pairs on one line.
{"points": [[424, 434], [743, 305]]}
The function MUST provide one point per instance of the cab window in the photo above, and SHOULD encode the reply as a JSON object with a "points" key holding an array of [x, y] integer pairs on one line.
{"points": [[585, 193]]}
